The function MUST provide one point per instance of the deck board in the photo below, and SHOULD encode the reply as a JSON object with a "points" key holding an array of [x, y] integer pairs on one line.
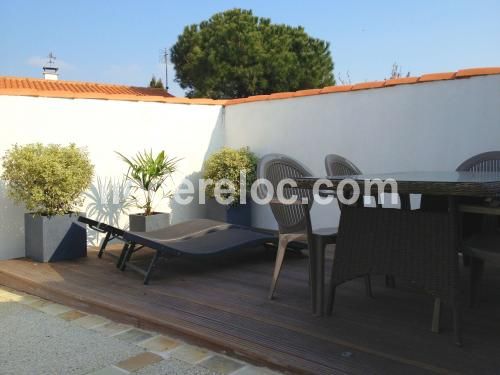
{"points": [[222, 302]]}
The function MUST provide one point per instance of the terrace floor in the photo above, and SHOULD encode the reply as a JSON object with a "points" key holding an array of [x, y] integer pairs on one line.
{"points": [[221, 302]]}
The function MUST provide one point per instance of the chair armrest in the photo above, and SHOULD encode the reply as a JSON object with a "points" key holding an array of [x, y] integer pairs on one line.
{"points": [[477, 209]]}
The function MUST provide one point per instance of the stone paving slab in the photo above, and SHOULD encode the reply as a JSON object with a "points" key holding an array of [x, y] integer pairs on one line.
{"points": [[221, 365], [133, 335], [72, 315], [174, 367], [112, 328], [159, 344], [111, 370], [190, 354], [90, 321], [251, 370], [54, 309], [139, 361]]}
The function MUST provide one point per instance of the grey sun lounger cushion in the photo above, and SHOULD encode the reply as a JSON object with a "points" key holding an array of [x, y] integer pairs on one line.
{"points": [[199, 237]]}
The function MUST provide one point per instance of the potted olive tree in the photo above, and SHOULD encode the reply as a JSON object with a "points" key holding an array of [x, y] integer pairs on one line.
{"points": [[148, 174], [49, 180], [228, 165]]}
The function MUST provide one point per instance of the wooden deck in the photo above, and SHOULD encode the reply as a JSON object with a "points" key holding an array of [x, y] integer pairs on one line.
{"points": [[221, 302]]}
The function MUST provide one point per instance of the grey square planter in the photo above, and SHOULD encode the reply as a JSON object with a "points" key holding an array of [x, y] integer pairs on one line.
{"points": [[141, 223], [50, 239], [239, 215]]}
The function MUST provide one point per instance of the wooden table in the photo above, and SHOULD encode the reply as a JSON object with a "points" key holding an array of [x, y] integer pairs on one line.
{"points": [[416, 245]]}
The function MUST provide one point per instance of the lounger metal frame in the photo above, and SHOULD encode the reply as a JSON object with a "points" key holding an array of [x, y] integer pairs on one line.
{"points": [[134, 241]]}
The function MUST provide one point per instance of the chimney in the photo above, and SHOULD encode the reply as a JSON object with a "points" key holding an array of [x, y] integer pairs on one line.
{"points": [[50, 70]]}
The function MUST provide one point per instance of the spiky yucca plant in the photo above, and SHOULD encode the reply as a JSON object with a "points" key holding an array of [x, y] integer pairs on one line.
{"points": [[148, 174]]}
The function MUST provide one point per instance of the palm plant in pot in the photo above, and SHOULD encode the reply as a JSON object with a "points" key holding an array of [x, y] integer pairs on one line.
{"points": [[49, 180], [228, 164], [148, 174]]}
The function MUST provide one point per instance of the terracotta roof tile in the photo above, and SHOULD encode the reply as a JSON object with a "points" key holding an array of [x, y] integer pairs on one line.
{"points": [[477, 72], [368, 85], [465, 73], [89, 90], [330, 89], [437, 77], [400, 81], [281, 95], [308, 92], [73, 90]]}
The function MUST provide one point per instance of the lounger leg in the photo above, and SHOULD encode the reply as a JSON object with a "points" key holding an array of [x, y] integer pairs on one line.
{"points": [[122, 255], [130, 250], [283, 241], [150, 268], [368, 285], [436, 316], [104, 244], [331, 300]]}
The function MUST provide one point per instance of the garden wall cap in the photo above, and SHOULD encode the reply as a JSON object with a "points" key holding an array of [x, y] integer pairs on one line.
{"points": [[19, 86], [464, 73]]}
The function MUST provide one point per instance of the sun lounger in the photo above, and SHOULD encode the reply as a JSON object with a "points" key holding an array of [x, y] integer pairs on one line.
{"points": [[194, 238]]}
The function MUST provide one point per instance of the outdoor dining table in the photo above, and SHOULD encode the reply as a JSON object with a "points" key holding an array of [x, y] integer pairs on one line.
{"points": [[419, 246]]}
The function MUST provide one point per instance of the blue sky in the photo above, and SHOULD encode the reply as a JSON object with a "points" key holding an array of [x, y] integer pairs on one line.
{"points": [[118, 41]]}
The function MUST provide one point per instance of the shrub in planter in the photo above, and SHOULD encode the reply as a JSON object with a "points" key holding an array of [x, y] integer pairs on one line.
{"points": [[148, 174], [227, 164], [49, 180]]}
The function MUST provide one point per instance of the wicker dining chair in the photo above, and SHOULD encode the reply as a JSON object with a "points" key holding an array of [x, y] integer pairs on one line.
{"points": [[480, 242], [481, 237], [293, 220], [336, 165]]}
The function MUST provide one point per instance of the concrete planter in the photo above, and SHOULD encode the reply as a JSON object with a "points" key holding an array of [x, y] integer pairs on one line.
{"points": [[141, 223], [55, 238], [240, 214]]}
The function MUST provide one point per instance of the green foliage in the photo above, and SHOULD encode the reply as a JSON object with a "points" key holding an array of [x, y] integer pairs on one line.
{"points": [[227, 163], [236, 54], [156, 83], [48, 179], [148, 173]]}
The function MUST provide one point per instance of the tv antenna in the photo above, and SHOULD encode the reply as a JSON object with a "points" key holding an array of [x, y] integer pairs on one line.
{"points": [[52, 59], [164, 60]]}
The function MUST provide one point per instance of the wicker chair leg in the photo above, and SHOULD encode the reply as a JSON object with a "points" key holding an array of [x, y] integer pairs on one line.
{"points": [[331, 300], [368, 286], [317, 274], [436, 316], [466, 260], [390, 281], [283, 242], [457, 321], [476, 272]]}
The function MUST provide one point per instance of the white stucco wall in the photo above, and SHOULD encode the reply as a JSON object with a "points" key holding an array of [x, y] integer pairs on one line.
{"points": [[190, 132], [425, 126]]}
